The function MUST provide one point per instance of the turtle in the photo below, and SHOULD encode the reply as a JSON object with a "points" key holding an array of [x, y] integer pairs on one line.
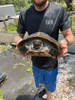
{"points": [[40, 44]]}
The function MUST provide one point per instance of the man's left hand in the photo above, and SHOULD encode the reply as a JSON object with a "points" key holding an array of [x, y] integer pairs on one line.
{"points": [[63, 43]]}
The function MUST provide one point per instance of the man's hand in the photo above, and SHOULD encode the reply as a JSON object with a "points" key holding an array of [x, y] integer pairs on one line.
{"points": [[70, 37], [19, 52], [17, 47], [63, 43], [17, 40]]}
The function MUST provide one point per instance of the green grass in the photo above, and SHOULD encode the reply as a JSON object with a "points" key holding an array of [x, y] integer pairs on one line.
{"points": [[2, 47], [73, 26], [73, 23], [1, 96], [12, 26], [19, 64]]}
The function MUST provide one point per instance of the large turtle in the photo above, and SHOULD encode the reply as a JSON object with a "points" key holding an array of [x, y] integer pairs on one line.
{"points": [[40, 44]]}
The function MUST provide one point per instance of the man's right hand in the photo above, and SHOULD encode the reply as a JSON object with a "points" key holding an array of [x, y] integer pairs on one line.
{"points": [[17, 40]]}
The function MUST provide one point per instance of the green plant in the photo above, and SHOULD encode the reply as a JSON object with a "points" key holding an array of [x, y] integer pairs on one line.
{"points": [[30, 68], [19, 64], [73, 26], [2, 47], [69, 80], [18, 4], [12, 26], [73, 23], [1, 96]]}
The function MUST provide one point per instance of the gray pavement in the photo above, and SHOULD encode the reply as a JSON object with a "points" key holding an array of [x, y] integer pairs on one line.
{"points": [[19, 84]]}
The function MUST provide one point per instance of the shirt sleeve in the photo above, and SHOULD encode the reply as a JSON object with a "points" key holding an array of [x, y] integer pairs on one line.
{"points": [[21, 24], [64, 23]]}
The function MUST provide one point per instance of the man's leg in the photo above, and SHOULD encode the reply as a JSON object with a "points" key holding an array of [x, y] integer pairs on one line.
{"points": [[49, 94], [47, 77]]}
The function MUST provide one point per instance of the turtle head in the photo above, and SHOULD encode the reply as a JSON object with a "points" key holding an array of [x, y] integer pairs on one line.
{"points": [[37, 44]]}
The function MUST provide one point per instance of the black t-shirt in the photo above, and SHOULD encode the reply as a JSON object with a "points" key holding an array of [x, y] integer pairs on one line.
{"points": [[49, 21]]}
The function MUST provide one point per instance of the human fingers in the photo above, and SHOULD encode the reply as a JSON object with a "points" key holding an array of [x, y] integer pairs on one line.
{"points": [[64, 51]]}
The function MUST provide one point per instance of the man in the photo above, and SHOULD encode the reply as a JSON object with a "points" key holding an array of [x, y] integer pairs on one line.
{"points": [[45, 17]]}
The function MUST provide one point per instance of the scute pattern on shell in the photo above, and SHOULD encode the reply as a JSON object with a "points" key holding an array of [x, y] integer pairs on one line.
{"points": [[40, 44]]}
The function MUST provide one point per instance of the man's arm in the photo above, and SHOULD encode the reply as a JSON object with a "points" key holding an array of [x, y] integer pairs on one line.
{"points": [[68, 35], [70, 38], [18, 38]]}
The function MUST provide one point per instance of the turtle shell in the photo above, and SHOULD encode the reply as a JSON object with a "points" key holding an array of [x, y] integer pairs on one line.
{"points": [[40, 44]]}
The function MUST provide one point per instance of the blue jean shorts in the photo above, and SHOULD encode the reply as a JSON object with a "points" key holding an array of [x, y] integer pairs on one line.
{"points": [[47, 77]]}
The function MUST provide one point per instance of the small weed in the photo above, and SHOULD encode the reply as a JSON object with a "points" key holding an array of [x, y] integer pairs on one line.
{"points": [[30, 81], [69, 80], [70, 73], [29, 69], [1, 96], [3, 47], [19, 64]]}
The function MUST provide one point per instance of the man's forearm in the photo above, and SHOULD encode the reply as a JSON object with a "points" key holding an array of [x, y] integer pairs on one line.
{"points": [[70, 39], [69, 36], [18, 38]]}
